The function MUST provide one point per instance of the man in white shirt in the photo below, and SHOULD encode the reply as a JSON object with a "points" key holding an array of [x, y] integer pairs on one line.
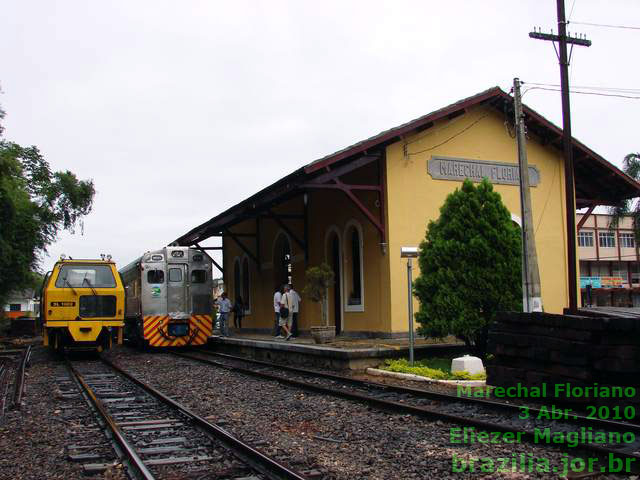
{"points": [[295, 308], [224, 307], [277, 298], [285, 313]]}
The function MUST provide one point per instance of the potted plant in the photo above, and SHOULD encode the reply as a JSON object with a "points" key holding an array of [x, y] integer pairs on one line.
{"points": [[318, 281]]}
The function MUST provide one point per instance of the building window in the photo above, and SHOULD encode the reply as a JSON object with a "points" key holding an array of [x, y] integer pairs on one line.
{"points": [[237, 280], [354, 267], [246, 299], [282, 258], [627, 240], [14, 307], [635, 272], [585, 239], [607, 239]]}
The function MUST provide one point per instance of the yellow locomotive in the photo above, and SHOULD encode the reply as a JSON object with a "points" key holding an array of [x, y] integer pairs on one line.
{"points": [[82, 305]]}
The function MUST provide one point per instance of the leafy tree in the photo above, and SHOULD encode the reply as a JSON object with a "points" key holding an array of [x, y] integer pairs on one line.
{"points": [[630, 166], [35, 205], [470, 267]]}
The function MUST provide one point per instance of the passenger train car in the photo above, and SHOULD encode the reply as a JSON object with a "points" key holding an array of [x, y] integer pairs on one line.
{"points": [[168, 298], [82, 305]]}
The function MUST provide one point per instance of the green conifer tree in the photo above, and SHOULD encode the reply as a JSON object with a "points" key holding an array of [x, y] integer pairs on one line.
{"points": [[470, 267]]}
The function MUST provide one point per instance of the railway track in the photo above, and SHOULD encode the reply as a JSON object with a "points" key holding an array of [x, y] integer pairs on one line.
{"points": [[474, 415], [156, 437], [18, 358]]}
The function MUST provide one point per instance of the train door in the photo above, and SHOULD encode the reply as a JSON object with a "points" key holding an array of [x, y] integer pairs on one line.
{"points": [[177, 299]]}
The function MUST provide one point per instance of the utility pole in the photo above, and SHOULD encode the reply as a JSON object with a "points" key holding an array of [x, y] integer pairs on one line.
{"points": [[563, 40], [531, 292]]}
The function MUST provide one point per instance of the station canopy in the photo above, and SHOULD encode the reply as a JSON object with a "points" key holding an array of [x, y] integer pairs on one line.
{"points": [[597, 182]]}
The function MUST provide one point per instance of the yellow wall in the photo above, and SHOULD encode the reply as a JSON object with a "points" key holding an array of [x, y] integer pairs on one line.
{"points": [[414, 197]]}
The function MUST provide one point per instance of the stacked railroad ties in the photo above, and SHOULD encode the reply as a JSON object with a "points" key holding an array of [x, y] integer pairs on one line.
{"points": [[580, 360]]}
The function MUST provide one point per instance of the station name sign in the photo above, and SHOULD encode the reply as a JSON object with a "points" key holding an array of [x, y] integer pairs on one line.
{"points": [[457, 169]]}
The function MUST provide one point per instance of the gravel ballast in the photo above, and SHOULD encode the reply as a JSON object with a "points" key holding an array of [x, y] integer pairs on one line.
{"points": [[345, 439]]}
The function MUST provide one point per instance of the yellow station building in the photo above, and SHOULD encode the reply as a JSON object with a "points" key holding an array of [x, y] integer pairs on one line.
{"points": [[355, 208]]}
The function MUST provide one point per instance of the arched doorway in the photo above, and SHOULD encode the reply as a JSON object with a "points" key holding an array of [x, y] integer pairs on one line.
{"points": [[334, 297], [281, 261]]}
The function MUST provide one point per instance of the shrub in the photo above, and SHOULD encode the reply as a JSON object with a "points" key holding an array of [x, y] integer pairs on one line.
{"points": [[470, 267]]}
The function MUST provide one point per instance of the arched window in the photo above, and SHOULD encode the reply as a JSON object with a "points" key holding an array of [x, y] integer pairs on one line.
{"points": [[282, 260], [237, 279], [354, 267], [246, 298]]}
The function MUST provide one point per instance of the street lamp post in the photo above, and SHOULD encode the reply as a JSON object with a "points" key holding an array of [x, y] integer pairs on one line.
{"points": [[410, 253]]}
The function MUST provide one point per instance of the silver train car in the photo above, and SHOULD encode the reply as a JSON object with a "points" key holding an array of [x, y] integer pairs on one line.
{"points": [[168, 298]]}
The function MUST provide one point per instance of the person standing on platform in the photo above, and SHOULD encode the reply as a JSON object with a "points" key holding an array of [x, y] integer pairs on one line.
{"points": [[295, 308], [224, 307], [277, 298], [238, 312], [285, 312]]}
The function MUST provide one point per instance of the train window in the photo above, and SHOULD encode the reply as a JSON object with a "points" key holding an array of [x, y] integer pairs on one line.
{"points": [[87, 276], [155, 276], [198, 276], [175, 274]]}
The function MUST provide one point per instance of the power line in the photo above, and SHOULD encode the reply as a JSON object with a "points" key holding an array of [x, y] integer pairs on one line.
{"points": [[584, 87], [627, 27], [586, 93], [571, 11], [610, 258], [450, 138]]}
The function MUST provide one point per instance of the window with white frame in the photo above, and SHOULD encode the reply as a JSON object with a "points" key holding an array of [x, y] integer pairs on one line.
{"points": [[627, 240], [354, 273], [246, 295], [607, 239], [585, 239], [237, 279]]}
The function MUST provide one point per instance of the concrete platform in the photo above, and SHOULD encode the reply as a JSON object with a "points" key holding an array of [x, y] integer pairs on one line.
{"points": [[342, 354]]}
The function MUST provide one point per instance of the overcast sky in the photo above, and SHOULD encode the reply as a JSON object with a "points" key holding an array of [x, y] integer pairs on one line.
{"points": [[178, 110]]}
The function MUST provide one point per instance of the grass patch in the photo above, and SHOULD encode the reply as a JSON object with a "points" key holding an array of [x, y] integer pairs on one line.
{"points": [[436, 368]]}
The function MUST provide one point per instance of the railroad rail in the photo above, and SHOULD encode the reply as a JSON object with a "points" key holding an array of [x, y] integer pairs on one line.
{"points": [[483, 415], [3, 376], [20, 357], [18, 389], [157, 437]]}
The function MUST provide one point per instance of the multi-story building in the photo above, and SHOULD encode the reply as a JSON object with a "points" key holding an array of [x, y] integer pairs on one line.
{"points": [[609, 261]]}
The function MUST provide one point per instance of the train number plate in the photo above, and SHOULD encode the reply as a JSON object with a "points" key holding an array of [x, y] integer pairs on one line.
{"points": [[63, 304]]}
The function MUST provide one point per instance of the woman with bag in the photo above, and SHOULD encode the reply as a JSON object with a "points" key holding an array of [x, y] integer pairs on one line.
{"points": [[285, 313]]}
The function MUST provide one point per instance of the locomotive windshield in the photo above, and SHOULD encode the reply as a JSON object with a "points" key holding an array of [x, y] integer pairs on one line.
{"points": [[92, 276]]}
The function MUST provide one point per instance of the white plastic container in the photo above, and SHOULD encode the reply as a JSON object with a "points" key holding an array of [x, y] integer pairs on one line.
{"points": [[467, 363]]}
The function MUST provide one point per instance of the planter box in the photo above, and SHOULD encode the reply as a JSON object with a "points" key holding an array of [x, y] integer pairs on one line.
{"points": [[323, 334]]}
